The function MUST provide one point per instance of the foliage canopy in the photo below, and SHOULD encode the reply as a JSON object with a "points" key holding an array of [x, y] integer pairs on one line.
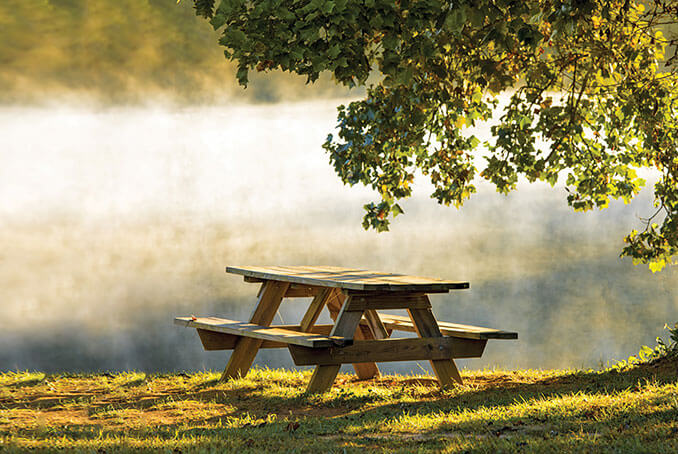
{"points": [[592, 89]]}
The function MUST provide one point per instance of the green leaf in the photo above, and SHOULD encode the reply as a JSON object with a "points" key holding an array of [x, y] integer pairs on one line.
{"points": [[334, 51], [593, 102], [242, 76]]}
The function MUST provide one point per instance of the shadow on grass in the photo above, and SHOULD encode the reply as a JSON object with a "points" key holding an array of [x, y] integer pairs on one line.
{"points": [[26, 383], [502, 389], [362, 423], [480, 411]]}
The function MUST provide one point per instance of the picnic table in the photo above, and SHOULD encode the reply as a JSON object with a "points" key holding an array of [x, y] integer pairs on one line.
{"points": [[359, 335]]}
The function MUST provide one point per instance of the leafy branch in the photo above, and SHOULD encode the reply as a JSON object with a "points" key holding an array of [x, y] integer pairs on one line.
{"points": [[441, 67]]}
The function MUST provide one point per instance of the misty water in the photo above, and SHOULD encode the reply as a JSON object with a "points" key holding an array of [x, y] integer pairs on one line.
{"points": [[114, 221]]}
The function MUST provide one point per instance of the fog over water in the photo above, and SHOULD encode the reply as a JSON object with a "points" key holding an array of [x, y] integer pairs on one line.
{"points": [[114, 221]]}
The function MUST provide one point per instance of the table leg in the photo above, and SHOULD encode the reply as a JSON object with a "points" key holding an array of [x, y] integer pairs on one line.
{"points": [[426, 325], [322, 378], [246, 348], [364, 371], [315, 308], [345, 326], [376, 325]]}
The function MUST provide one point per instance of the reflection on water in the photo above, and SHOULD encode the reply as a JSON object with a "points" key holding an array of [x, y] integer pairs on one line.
{"points": [[113, 222]]}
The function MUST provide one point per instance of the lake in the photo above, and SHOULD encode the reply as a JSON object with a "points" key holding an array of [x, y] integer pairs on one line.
{"points": [[113, 221]]}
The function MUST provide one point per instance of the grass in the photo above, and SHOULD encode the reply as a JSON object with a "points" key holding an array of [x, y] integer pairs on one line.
{"points": [[630, 409]]}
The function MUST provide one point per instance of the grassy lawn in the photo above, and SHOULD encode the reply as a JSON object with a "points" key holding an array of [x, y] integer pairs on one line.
{"points": [[628, 410]]}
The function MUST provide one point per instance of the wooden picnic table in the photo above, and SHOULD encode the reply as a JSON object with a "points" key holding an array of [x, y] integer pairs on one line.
{"points": [[360, 335]]}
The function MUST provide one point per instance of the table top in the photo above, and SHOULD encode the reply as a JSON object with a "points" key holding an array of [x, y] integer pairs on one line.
{"points": [[347, 278]]}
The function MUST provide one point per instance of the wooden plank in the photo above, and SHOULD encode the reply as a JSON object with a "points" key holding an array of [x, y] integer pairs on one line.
{"points": [[302, 291], [252, 280], [268, 303], [261, 289], [244, 329], [346, 278], [221, 341], [391, 301], [323, 378], [347, 321], [270, 296], [345, 326], [384, 350], [364, 371], [376, 325], [425, 323], [397, 322], [314, 309], [213, 340]]}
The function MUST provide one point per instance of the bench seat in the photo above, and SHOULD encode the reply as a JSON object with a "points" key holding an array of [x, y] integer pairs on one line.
{"points": [[318, 348], [266, 333], [400, 323], [222, 334]]}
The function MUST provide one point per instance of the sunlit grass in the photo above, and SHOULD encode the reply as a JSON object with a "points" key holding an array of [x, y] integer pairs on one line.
{"points": [[632, 410]]}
